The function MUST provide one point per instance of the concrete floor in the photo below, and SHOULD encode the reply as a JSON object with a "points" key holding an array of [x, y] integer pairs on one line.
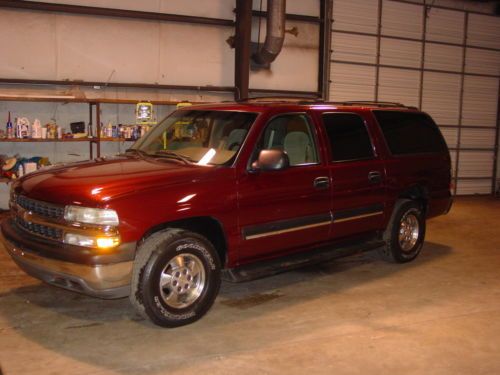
{"points": [[359, 315]]}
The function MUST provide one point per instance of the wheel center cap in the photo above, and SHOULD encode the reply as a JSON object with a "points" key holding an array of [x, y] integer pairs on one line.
{"points": [[182, 278]]}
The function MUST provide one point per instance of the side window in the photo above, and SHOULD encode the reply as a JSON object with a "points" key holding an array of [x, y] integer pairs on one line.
{"points": [[292, 134], [410, 132], [349, 139]]}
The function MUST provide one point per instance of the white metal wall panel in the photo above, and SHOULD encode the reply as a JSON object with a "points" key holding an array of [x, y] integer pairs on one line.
{"points": [[399, 85], [352, 82], [451, 136], [477, 138], [358, 48], [296, 67], [400, 52], [443, 57], [484, 31], [468, 187], [355, 15], [441, 92], [445, 26], [441, 97], [29, 29], [482, 61], [475, 164], [480, 101], [401, 19]]}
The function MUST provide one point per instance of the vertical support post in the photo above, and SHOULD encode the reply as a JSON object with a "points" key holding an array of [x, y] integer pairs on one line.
{"points": [[461, 102], [242, 48], [91, 143], [377, 61], [98, 128], [422, 55], [497, 134], [325, 34]]}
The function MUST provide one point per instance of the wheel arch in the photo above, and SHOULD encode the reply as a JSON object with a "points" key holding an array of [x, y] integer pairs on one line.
{"points": [[207, 226], [417, 192]]}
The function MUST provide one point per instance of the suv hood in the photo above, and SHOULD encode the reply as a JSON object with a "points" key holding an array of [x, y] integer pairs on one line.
{"points": [[98, 181]]}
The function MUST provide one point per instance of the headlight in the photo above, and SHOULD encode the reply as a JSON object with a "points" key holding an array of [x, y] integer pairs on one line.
{"points": [[88, 215]]}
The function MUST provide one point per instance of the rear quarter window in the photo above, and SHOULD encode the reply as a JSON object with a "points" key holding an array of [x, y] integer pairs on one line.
{"points": [[410, 132]]}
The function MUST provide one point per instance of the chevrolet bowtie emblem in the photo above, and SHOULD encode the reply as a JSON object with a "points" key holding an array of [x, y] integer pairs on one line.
{"points": [[27, 215]]}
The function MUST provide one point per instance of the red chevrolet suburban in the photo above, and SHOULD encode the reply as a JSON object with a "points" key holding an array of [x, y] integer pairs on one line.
{"points": [[231, 191]]}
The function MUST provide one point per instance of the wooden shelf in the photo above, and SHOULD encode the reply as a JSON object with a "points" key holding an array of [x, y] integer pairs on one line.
{"points": [[28, 140], [94, 143], [48, 140], [117, 140]]}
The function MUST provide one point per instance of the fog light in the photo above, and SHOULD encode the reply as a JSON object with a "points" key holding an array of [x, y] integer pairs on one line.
{"points": [[106, 242], [91, 241]]}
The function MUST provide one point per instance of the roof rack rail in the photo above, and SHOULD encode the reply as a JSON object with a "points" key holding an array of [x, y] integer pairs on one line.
{"points": [[376, 103], [281, 99]]}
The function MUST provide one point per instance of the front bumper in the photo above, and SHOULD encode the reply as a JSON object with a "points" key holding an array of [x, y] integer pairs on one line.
{"points": [[106, 280]]}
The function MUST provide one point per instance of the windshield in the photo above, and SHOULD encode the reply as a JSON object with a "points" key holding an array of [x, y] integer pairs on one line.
{"points": [[202, 137]]}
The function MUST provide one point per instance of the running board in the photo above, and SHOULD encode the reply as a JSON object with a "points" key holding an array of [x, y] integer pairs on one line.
{"points": [[285, 263]]}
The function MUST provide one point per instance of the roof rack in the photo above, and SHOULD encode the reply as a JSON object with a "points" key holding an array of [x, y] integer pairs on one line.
{"points": [[280, 99], [375, 103], [311, 100]]}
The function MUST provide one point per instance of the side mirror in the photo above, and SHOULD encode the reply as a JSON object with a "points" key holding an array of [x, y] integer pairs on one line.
{"points": [[271, 160]]}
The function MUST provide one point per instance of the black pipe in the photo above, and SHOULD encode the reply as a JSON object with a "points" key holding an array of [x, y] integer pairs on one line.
{"points": [[110, 12]]}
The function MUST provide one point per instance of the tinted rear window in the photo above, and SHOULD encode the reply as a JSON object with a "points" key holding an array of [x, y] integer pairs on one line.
{"points": [[410, 133], [348, 136]]}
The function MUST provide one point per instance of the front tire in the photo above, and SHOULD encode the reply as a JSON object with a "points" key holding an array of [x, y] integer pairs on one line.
{"points": [[176, 278], [404, 236]]}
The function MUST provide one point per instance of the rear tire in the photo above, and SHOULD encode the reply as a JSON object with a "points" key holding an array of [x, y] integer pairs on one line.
{"points": [[176, 278], [404, 236]]}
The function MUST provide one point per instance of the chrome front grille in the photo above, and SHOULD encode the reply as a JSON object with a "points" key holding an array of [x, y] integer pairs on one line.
{"points": [[40, 208], [39, 229]]}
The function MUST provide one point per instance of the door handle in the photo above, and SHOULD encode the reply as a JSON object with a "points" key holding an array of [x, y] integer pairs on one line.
{"points": [[374, 177], [321, 183]]}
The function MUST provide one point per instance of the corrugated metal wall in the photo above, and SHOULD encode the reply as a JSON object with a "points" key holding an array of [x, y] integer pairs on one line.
{"points": [[445, 61]]}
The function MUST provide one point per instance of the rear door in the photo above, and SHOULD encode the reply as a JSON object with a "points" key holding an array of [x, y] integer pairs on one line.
{"points": [[285, 210], [357, 173]]}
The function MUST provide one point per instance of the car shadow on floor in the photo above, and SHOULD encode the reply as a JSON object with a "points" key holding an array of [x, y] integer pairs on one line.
{"points": [[79, 327]]}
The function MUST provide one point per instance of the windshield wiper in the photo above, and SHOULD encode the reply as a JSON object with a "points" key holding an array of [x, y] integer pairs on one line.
{"points": [[174, 155], [137, 151]]}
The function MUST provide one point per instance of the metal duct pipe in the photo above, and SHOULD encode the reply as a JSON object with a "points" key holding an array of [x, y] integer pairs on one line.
{"points": [[275, 33]]}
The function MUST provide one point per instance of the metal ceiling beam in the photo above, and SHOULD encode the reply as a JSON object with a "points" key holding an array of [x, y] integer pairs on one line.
{"points": [[115, 84], [111, 12]]}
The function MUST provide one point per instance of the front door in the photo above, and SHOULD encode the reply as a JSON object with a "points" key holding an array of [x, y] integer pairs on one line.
{"points": [[285, 210]]}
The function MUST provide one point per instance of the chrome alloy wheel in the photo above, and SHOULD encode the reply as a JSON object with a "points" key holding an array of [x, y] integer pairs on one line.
{"points": [[409, 230], [182, 281]]}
